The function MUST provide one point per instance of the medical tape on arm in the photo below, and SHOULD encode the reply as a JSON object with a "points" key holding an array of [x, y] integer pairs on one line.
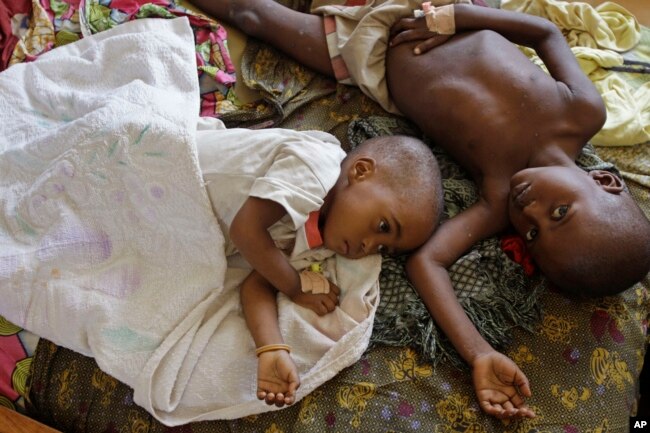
{"points": [[440, 20], [314, 282]]}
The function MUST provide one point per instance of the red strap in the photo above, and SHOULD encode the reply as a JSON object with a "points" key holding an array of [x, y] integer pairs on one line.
{"points": [[314, 238]]}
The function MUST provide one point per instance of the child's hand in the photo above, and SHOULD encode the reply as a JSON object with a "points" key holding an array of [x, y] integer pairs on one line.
{"points": [[321, 303], [500, 386], [415, 29], [277, 378]]}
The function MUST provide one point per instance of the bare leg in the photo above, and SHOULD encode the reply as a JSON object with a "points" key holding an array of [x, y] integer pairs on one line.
{"points": [[297, 34]]}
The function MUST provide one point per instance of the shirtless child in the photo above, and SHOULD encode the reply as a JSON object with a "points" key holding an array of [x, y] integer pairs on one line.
{"points": [[514, 128]]}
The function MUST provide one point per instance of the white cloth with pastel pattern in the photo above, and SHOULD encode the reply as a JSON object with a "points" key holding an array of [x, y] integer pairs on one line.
{"points": [[108, 242]]}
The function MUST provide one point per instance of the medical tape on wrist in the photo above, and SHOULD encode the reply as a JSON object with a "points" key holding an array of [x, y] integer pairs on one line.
{"points": [[440, 20], [314, 282]]}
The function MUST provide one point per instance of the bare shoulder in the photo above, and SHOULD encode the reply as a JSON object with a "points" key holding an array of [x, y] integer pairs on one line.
{"points": [[585, 107]]}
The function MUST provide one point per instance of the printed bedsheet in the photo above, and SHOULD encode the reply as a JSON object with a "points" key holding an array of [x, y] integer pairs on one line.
{"points": [[597, 347]]}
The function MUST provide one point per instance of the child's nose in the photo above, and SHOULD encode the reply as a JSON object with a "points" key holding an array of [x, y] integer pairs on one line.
{"points": [[367, 245], [537, 214], [532, 211], [364, 246]]}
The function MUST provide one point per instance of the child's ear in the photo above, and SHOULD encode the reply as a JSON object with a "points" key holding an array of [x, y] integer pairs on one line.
{"points": [[362, 169], [607, 181]]}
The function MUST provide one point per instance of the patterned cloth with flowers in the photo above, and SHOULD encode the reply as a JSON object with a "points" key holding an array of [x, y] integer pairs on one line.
{"points": [[583, 358], [31, 28]]}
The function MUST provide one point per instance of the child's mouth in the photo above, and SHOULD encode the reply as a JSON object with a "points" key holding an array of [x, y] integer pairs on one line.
{"points": [[519, 194]]}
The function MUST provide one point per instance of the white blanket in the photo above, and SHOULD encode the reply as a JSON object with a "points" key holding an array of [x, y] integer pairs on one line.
{"points": [[108, 244]]}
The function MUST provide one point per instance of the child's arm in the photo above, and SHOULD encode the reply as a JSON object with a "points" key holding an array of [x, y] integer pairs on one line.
{"points": [[277, 374], [498, 382], [249, 232], [522, 29]]}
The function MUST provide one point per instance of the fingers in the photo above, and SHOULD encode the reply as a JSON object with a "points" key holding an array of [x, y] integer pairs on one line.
{"points": [[334, 296], [506, 410], [334, 289], [526, 412], [430, 43], [492, 409], [522, 384], [325, 305], [334, 293], [499, 411], [401, 25], [517, 401], [278, 399], [328, 302], [410, 35], [294, 383]]}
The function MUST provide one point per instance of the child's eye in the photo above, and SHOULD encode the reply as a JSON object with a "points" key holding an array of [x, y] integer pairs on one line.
{"points": [[531, 234], [381, 249], [559, 212], [384, 227]]}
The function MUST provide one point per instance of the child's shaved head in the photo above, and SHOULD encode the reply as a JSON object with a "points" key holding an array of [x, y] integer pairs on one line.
{"points": [[618, 255], [408, 167]]}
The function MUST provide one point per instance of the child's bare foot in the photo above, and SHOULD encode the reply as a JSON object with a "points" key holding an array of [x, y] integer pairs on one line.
{"points": [[277, 378]]}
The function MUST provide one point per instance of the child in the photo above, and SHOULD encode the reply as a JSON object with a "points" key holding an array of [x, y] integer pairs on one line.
{"points": [[514, 128], [281, 194]]}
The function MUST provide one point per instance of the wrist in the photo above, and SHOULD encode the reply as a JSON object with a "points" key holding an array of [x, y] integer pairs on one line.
{"points": [[473, 346], [479, 353], [292, 288]]}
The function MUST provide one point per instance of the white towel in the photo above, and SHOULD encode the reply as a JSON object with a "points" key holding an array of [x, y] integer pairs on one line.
{"points": [[108, 243]]}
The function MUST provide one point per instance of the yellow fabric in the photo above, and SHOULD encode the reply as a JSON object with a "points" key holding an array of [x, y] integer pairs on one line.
{"points": [[596, 35], [628, 113], [607, 26]]}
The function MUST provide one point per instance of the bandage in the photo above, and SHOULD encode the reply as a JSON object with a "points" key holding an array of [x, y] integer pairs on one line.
{"points": [[440, 20], [314, 282], [272, 347], [438, 3]]}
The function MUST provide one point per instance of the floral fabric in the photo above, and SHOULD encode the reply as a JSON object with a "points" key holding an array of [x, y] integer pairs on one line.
{"points": [[16, 353], [30, 29], [583, 358]]}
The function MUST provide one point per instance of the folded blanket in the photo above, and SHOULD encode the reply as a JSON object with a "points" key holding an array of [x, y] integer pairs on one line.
{"points": [[108, 243]]}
